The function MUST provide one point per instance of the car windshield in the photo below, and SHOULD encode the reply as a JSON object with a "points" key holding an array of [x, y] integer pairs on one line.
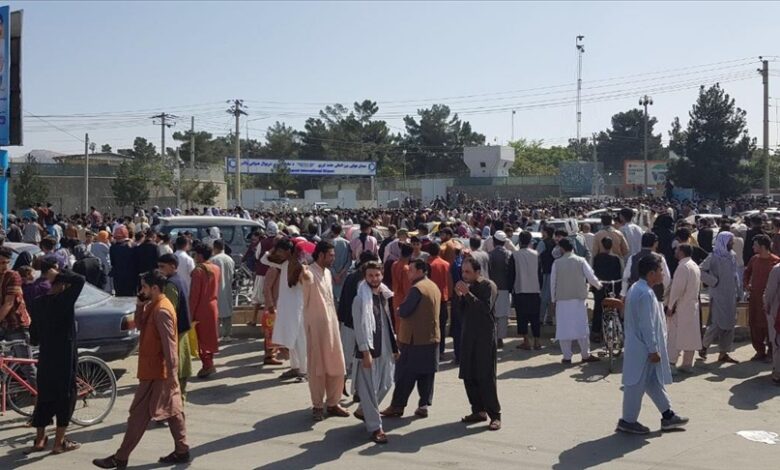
{"points": [[90, 296]]}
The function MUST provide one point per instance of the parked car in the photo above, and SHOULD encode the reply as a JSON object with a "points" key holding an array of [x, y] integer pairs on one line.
{"points": [[233, 230], [104, 323]]}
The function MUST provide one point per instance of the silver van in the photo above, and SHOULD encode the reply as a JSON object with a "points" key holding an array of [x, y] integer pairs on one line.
{"points": [[233, 230]]}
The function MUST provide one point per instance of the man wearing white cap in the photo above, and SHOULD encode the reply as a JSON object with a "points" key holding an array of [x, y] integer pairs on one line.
{"points": [[498, 262]]}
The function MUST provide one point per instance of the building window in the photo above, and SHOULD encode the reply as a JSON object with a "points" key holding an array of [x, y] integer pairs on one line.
{"points": [[482, 165]]}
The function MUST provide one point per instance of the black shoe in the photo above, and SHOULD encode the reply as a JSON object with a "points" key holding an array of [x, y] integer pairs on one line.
{"points": [[675, 422], [110, 462], [565, 361], [173, 458], [632, 428]]}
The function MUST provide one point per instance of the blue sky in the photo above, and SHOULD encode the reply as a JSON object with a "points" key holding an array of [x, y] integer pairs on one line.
{"points": [[104, 67]]}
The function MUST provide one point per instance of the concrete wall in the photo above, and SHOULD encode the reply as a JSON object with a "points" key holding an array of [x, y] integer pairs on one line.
{"points": [[66, 188]]}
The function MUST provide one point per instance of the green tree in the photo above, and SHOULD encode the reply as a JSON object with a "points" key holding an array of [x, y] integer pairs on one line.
{"points": [[130, 186], [28, 186], [105, 148], [138, 174], [281, 178], [625, 140], [189, 191], [435, 142], [531, 158], [713, 146], [207, 194], [208, 149]]}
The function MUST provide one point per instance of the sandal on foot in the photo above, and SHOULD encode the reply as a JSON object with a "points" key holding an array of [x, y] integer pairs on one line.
{"points": [[379, 437], [67, 446], [495, 425], [36, 448]]}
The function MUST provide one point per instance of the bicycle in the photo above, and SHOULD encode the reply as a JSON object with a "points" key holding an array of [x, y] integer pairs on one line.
{"points": [[95, 386], [243, 284], [612, 324]]}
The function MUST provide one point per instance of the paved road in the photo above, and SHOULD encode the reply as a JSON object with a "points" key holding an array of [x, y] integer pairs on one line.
{"points": [[554, 417]]}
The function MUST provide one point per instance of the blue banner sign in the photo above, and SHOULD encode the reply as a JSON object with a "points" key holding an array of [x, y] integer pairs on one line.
{"points": [[254, 166]]}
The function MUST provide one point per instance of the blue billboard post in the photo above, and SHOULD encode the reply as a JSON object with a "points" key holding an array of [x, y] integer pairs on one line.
{"points": [[6, 169], [5, 106]]}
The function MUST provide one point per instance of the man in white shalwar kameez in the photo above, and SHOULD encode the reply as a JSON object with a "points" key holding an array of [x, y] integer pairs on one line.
{"points": [[569, 293], [645, 360], [376, 348], [682, 310], [289, 330]]}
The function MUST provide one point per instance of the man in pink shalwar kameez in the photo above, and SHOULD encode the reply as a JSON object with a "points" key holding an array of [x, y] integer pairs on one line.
{"points": [[324, 354]]}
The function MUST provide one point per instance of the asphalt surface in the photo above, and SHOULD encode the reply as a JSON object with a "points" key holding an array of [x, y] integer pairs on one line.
{"points": [[553, 417]]}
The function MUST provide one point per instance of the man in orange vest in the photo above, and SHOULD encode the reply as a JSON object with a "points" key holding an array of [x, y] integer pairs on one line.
{"points": [[158, 396]]}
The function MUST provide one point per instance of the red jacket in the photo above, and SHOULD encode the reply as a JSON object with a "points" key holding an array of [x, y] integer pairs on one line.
{"points": [[440, 275]]}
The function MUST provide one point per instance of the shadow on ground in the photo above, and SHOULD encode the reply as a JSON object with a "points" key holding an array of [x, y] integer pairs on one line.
{"points": [[601, 451]]}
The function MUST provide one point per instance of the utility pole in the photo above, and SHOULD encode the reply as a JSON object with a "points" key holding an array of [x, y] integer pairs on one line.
{"points": [[86, 173], [165, 120], [236, 111], [192, 142], [177, 178], [596, 174], [580, 50], [645, 101], [513, 125], [764, 71]]}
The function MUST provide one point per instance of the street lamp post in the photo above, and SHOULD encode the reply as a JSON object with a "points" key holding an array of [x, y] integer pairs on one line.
{"points": [[645, 101]]}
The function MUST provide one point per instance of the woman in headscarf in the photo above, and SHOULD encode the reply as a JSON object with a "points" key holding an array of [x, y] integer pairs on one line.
{"points": [[719, 273], [167, 212], [100, 248]]}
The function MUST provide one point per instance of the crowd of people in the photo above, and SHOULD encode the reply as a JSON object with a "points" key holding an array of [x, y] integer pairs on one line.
{"points": [[370, 296]]}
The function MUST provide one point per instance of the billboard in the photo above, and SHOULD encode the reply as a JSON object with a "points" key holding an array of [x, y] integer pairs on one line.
{"points": [[577, 177], [634, 171], [254, 166]]}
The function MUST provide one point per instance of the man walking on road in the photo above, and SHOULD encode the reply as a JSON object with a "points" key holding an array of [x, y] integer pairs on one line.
{"points": [[646, 363], [158, 396]]}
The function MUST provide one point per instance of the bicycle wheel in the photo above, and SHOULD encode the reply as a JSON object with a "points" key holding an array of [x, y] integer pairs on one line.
{"points": [[95, 391], [18, 397], [609, 341], [620, 338]]}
